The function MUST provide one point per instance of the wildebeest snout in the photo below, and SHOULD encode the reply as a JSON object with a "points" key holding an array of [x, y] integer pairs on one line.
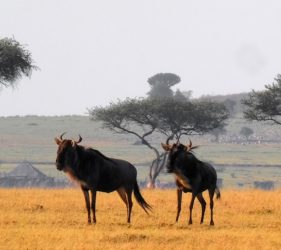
{"points": [[59, 166]]}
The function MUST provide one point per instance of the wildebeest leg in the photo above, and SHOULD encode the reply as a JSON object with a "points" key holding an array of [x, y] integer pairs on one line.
{"points": [[190, 209], [179, 196], [130, 204], [87, 200], [211, 194], [93, 205], [203, 206], [122, 193]]}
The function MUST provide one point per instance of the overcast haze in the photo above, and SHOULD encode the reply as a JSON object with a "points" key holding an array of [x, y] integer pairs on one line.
{"points": [[94, 52]]}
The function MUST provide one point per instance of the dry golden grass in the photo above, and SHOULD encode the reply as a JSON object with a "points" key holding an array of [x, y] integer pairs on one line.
{"points": [[56, 219]]}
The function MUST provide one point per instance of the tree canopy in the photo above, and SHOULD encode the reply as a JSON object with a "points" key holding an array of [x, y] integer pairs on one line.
{"points": [[264, 105], [169, 117], [161, 84], [167, 79], [15, 61]]}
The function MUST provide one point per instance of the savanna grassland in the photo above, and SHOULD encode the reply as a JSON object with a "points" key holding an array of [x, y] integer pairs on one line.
{"points": [[56, 219]]}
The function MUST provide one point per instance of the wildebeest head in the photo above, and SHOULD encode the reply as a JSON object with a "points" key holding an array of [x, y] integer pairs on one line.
{"points": [[175, 150], [67, 152]]}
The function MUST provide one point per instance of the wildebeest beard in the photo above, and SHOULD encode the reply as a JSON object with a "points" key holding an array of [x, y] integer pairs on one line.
{"points": [[70, 168], [182, 179], [73, 176]]}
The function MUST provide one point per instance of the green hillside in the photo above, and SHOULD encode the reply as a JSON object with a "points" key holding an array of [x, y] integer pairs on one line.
{"points": [[31, 138]]}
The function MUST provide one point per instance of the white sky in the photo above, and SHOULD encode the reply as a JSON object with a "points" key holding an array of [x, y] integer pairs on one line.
{"points": [[92, 52]]}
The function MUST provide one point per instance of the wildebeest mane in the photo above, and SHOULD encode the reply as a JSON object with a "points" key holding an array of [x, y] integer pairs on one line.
{"points": [[95, 152], [100, 154]]}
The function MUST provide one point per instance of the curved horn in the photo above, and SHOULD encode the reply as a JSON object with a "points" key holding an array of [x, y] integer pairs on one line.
{"points": [[80, 139], [60, 139], [190, 143], [166, 147], [190, 147], [62, 135]]}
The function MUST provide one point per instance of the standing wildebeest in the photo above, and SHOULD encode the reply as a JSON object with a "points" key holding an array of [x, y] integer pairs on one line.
{"points": [[96, 172], [192, 176]]}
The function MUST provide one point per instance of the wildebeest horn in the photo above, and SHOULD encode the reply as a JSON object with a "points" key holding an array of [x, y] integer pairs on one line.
{"points": [[166, 147], [190, 147], [76, 142], [190, 143], [79, 140], [62, 135], [60, 139]]}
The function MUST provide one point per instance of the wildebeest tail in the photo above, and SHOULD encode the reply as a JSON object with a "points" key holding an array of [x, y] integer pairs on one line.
{"points": [[140, 199], [218, 193]]}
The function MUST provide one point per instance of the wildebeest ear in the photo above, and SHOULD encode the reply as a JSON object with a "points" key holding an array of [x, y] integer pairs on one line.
{"points": [[58, 141], [166, 147], [189, 146], [73, 143]]}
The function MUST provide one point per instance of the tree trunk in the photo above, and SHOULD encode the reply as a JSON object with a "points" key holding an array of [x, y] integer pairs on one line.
{"points": [[156, 167], [151, 183]]}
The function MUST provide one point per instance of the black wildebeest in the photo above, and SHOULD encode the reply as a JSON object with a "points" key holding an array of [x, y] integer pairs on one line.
{"points": [[192, 175], [96, 172]]}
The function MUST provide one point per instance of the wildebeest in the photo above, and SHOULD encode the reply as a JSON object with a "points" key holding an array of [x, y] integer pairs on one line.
{"points": [[96, 172], [192, 175]]}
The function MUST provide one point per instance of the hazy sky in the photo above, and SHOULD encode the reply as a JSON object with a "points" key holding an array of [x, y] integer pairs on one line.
{"points": [[93, 52]]}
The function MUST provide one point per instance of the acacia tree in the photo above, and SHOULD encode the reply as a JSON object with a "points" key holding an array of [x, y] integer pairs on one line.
{"points": [[161, 84], [15, 62], [264, 105], [171, 118]]}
